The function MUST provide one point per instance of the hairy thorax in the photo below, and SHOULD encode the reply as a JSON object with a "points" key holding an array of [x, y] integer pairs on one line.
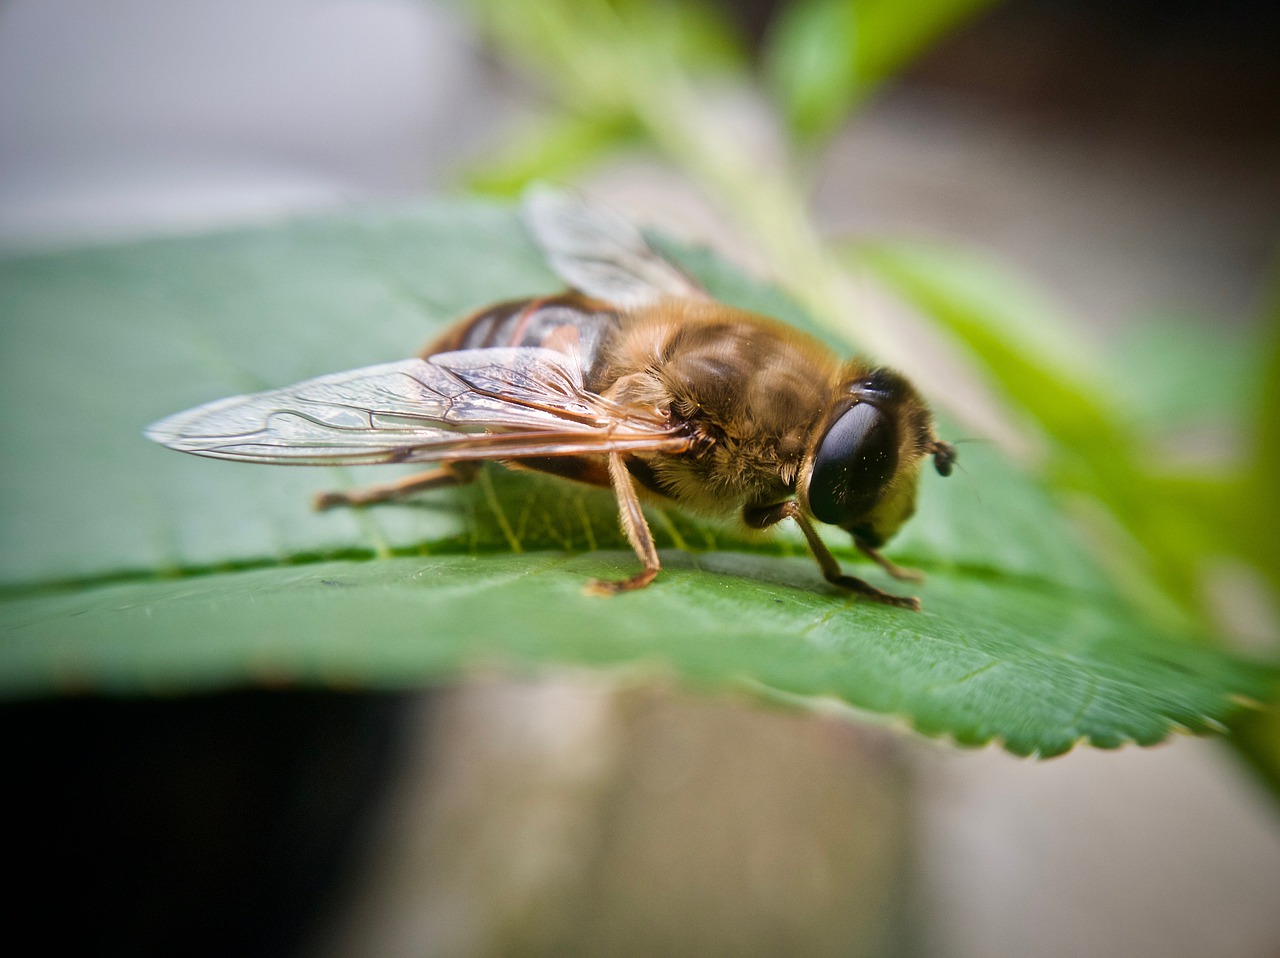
{"points": [[751, 391]]}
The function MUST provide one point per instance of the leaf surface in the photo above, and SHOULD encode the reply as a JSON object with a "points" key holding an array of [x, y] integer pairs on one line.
{"points": [[130, 569]]}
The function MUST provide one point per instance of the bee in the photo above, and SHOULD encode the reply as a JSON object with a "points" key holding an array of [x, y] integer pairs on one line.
{"points": [[635, 380]]}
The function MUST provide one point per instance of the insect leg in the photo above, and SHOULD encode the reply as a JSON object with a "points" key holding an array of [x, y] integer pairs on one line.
{"points": [[826, 561], [637, 530], [450, 474], [895, 570]]}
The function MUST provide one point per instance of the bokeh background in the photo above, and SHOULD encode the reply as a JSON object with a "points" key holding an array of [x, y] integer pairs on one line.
{"points": [[1123, 155]]}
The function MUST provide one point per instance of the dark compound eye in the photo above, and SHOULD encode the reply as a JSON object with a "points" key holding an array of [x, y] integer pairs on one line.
{"points": [[855, 461]]}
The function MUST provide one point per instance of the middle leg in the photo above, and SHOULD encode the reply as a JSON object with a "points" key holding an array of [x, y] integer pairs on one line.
{"points": [[637, 531]]}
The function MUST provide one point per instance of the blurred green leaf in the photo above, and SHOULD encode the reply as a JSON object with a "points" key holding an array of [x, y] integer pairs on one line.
{"points": [[600, 56], [891, 34], [1260, 524], [555, 149], [1183, 373], [825, 56], [811, 64], [1268, 408], [129, 568], [1253, 520]]}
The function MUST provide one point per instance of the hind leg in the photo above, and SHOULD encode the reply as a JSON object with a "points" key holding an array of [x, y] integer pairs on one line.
{"points": [[450, 474]]}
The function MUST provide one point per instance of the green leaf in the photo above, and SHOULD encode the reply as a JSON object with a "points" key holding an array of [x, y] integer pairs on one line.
{"points": [[1263, 529], [593, 54], [891, 34], [554, 149], [1255, 515], [131, 569], [825, 56], [811, 63], [1161, 354], [991, 659]]}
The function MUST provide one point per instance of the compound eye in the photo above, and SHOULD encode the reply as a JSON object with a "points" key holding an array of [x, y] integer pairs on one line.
{"points": [[855, 461]]}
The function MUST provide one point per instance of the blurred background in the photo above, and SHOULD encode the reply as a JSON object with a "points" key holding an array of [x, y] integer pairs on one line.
{"points": [[1124, 155]]}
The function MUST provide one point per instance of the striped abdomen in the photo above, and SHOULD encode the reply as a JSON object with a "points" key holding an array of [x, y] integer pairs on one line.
{"points": [[565, 323]]}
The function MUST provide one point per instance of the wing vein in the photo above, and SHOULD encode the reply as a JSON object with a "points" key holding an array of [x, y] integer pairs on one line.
{"points": [[469, 404]]}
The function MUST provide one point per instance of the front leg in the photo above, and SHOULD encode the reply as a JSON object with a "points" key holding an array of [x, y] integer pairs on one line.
{"points": [[895, 570], [771, 515]]}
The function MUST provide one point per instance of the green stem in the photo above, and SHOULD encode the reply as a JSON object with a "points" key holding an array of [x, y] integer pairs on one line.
{"points": [[773, 210]]}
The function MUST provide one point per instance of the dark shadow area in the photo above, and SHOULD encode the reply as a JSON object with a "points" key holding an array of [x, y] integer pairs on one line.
{"points": [[226, 824]]}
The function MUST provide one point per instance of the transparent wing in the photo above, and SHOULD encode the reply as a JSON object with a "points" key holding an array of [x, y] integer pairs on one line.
{"points": [[470, 404], [599, 253]]}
